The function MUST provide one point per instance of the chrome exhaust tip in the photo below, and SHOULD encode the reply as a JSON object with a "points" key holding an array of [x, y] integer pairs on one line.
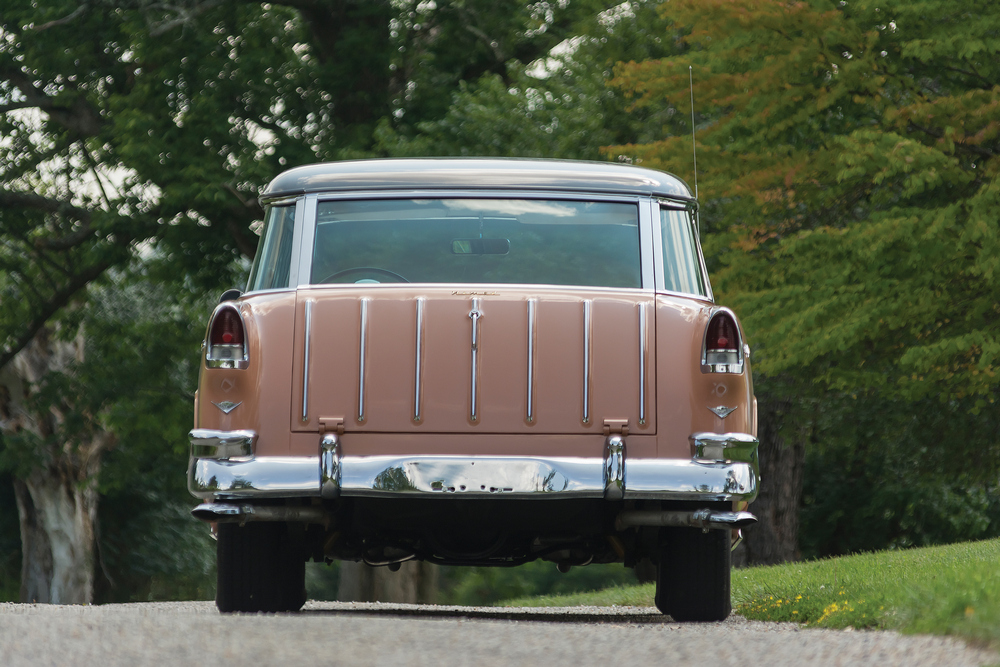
{"points": [[704, 518], [242, 513]]}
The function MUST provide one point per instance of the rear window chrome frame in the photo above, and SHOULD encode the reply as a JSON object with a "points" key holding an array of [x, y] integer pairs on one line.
{"points": [[650, 240], [691, 206], [645, 223]]}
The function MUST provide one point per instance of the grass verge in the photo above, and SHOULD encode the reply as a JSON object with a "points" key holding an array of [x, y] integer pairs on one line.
{"points": [[952, 589]]}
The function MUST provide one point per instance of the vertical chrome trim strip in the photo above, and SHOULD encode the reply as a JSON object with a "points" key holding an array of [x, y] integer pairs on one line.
{"points": [[362, 358], [418, 357], [475, 314], [642, 363], [305, 229], [305, 363], [656, 226], [587, 304], [648, 237], [531, 359]]}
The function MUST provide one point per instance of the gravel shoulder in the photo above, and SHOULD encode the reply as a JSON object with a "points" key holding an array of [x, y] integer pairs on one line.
{"points": [[325, 633]]}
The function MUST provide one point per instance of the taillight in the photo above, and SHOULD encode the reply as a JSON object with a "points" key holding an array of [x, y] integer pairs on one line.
{"points": [[226, 339], [722, 351]]}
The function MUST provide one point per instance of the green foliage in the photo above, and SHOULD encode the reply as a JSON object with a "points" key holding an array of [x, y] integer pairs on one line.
{"points": [[489, 585], [853, 169], [139, 373], [950, 590], [559, 107], [893, 474], [942, 590]]}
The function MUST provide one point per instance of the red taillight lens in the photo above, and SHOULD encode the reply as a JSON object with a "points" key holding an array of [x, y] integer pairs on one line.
{"points": [[227, 329], [226, 348], [722, 345], [722, 334]]}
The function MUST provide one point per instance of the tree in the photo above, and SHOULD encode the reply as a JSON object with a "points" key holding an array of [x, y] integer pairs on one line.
{"points": [[154, 134], [850, 155]]}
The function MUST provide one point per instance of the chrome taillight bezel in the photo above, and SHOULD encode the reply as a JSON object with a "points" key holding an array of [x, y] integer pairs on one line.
{"points": [[731, 360], [222, 355]]}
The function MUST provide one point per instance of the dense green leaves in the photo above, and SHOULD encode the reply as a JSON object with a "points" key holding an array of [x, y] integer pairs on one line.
{"points": [[851, 152]]}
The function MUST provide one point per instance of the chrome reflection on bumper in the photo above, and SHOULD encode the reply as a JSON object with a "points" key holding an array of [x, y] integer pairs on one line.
{"points": [[673, 479], [439, 475], [613, 476], [722, 447], [261, 477], [211, 444]]}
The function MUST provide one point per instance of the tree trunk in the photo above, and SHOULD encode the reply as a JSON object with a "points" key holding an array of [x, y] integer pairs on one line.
{"points": [[57, 538], [414, 583], [774, 538], [55, 475]]}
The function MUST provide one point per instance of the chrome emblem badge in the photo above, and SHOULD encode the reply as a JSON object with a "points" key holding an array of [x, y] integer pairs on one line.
{"points": [[722, 411], [227, 406]]}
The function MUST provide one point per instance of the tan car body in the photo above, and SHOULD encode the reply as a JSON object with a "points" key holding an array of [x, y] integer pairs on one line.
{"points": [[678, 395]]}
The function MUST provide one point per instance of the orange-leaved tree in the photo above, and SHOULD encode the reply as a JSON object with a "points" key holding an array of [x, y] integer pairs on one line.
{"points": [[848, 166]]}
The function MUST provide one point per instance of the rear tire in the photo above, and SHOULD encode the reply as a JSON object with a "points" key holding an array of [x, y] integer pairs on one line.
{"points": [[259, 568], [693, 574]]}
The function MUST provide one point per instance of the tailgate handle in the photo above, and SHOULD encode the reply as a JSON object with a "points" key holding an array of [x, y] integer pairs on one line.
{"points": [[331, 425], [619, 426]]}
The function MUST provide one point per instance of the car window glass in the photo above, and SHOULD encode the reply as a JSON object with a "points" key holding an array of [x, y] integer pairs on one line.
{"points": [[274, 252], [681, 264], [514, 241]]}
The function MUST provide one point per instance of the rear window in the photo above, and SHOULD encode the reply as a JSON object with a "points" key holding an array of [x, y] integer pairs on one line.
{"points": [[517, 241]]}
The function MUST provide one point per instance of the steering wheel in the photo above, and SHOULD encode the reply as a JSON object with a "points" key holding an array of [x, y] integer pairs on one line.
{"points": [[365, 269]]}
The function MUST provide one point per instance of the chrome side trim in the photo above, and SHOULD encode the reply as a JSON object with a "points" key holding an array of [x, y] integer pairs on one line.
{"points": [[476, 314], [212, 444], [418, 360], [329, 464], [614, 468], [305, 362], [532, 304], [587, 305], [507, 476], [642, 364], [362, 358]]}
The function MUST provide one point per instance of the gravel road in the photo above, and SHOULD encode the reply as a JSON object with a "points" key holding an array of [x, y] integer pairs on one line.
{"points": [[327, 633]]}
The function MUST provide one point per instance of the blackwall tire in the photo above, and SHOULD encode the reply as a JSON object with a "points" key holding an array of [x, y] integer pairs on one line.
{"points": [[258, 569], [693, 574]]}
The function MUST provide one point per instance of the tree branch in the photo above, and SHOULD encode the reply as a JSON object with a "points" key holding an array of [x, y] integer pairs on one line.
{"points": [[81, 118], [59, 299], [978, 150], [79, 11], [14, 199], [184, 16]]}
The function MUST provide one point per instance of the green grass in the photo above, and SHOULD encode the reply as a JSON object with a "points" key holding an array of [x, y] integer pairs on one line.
{"points": [[953, 589]]}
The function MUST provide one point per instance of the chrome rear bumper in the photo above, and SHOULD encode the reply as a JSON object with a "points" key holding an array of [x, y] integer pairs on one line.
{"points": [[723, 469]]}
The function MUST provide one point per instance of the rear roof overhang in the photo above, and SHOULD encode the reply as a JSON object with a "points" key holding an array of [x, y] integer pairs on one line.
{"points": [[475, 174]]}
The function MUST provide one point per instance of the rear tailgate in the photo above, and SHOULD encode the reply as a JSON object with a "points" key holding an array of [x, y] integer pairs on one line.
{"points": [[506, 360]]}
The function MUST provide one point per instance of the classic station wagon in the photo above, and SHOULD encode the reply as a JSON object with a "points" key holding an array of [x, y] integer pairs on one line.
{"points": [[475, 362]]}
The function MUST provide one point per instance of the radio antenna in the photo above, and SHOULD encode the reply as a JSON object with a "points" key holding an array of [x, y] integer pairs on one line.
{"points": [[694, 147]]}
